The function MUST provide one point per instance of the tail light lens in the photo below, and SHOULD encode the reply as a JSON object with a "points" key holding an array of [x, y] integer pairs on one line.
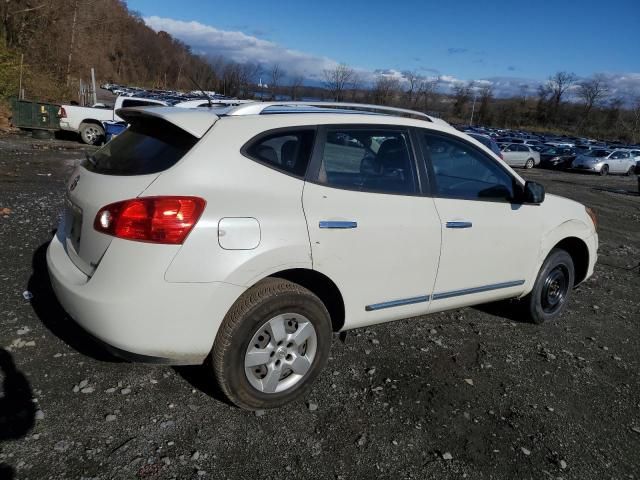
{"points": [[151, 219], [62, 113]]}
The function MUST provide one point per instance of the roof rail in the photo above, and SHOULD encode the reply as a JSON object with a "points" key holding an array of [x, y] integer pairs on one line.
{"points": [[257, 108]]}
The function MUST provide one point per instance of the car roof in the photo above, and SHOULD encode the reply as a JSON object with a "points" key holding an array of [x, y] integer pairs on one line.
{"points": [[198, 120]]}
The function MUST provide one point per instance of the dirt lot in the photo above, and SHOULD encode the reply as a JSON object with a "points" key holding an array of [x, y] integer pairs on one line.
{"points": [[473, 393]]}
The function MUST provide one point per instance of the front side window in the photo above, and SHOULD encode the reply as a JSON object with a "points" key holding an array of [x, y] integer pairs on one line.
{"points": [[375, 160], [288, 151], [462, 171]]}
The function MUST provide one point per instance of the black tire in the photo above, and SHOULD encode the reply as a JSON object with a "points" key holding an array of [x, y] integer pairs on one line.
{"points": [[530, 163], [541, 305], [631, 171], [604, 171], [267, 299], [91, 133]]}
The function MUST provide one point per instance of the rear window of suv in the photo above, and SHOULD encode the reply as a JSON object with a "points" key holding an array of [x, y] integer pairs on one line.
{"points": [[148, 146]]}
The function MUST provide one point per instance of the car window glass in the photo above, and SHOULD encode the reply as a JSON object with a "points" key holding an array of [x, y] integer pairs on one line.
{"points": [[288, 151], [461, 171], [139, 103], [375, 160]]}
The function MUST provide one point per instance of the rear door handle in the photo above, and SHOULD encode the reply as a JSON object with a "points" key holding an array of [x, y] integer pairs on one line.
{"points": [[338, 224], [459, 225]]}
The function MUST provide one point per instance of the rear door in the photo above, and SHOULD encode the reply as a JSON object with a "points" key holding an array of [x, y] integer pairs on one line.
{"points": [[371, 230], [120, 170]]}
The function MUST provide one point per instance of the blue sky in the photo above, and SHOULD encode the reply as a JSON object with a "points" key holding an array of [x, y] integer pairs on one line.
{"points": [[457, 39]]}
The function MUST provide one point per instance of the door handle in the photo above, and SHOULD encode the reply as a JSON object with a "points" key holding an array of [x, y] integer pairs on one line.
{"points": [[459, 224], [338, 224]]}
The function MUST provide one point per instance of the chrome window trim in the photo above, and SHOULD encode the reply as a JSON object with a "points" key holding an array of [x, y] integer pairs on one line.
{"points": [[484, 288], [397, 303]]}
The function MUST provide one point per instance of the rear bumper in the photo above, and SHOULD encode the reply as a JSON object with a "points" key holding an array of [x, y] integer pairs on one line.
{"points": [[128, 305]]}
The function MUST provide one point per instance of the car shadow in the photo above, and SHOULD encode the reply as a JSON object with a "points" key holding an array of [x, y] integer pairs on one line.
{"points": [[201, 378], [17, 410], [54, 318], [507, 309]]}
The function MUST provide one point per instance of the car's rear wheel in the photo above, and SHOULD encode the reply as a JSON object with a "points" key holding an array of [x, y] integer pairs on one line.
{"points": [[91, 133], [604, 170], [552, 288], [631, 171], [272, 344], [530, 163]]}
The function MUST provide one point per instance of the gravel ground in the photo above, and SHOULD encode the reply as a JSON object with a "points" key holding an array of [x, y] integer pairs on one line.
{"points": [[472, 393]]}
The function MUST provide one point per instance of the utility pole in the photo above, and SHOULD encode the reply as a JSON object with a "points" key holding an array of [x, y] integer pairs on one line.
{"points": [[73, 37], [93, 86], [20, 95], [473, 108]]}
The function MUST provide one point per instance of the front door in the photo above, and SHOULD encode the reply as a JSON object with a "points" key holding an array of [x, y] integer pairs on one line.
{"points": [[371, 230], [489, 245]]}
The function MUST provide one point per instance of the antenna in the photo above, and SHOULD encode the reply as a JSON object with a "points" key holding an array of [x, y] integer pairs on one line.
{"points": [[202, 90]]}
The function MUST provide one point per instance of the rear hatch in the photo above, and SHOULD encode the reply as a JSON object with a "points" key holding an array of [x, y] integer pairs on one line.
{"points": [[121, 170]]}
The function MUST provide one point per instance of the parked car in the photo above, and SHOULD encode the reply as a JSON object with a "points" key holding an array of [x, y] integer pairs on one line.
{"points": [[520, 155], [557, 157], [87, 121], [488, 142], [249, 236], [605, 162]]}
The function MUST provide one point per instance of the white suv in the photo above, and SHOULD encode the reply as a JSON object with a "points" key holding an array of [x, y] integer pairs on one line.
{"points": [[249, 235]]}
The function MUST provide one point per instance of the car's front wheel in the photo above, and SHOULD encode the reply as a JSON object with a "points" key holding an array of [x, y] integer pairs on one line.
{"points": [[604, 170], [272, 344], [552, 288]]}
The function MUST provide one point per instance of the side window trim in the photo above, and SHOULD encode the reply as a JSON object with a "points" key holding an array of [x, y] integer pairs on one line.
{"points": [[431, 173], [244, 150], [313, 171]]}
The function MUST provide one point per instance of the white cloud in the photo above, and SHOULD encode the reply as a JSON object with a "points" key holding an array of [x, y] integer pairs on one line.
{"points": [[242, 48]]}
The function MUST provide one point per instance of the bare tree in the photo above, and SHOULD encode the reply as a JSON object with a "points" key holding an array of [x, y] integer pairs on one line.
{"points": [[385, 89], [413, 80], [486, 95], [427, 89], [294, 86], [592, 91], [557, 85], [276, 75], [337, 80], [461, 97]]}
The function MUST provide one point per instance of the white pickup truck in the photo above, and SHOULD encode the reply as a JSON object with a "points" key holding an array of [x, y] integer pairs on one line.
{"points": [[87, 121]]}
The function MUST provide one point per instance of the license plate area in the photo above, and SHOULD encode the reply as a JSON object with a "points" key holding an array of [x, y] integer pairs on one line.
{"points": [[74, 224]]}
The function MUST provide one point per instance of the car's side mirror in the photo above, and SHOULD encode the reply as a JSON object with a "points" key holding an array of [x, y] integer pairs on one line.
{"points": [[533, 193]]}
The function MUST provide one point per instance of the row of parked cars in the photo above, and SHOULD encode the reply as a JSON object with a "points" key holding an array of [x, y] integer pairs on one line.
{"points": [[528, 151]]}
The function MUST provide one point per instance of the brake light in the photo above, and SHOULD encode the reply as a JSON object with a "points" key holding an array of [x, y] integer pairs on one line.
{"points": [[151, 219], [62, 113]]}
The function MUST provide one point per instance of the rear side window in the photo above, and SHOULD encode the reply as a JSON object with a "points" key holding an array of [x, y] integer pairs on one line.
{"points": [[139, 103], [149, 145], [375, 160], [288, 151]]}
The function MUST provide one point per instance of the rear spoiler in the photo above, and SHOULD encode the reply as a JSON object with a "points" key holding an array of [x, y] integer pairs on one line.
{"points": [[196, 122]]}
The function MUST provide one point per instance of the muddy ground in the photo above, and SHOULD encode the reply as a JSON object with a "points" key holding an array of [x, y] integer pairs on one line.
{"points": [[473, 393]]}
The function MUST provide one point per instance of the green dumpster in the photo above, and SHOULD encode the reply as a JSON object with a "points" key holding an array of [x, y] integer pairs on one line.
{"points": [[35, 115]]}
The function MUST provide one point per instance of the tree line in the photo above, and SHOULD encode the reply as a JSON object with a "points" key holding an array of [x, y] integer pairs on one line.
{"points": [[56, 42]]}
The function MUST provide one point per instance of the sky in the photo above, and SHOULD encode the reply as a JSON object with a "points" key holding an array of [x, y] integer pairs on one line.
{"points": [[505, 43]]}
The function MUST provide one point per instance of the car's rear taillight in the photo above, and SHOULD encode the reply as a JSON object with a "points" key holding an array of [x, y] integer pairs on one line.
{"points": [[151, 219], [62, 113]]}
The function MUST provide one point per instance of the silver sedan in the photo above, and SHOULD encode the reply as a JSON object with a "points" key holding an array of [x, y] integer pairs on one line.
{"points": [[520, 155]]}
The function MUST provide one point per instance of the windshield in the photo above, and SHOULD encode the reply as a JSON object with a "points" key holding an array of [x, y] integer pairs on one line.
{"points": [[597, 153], [149, 145]]}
